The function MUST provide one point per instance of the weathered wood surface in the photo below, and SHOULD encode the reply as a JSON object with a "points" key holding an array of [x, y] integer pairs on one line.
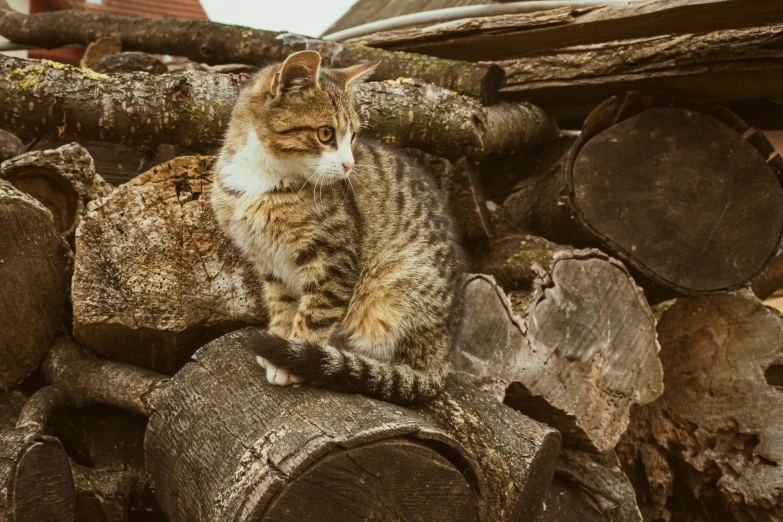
{"points": [[304, 454], [214, 43], [63, 180], [10, 146], [34, 271], [571, 342], [511, 36], [130, 62], [720, 411], [154, 278], [703, 213], [193, 109]]}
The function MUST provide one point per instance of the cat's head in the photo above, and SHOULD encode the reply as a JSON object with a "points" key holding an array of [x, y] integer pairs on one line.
{"points": [[304, 118]]}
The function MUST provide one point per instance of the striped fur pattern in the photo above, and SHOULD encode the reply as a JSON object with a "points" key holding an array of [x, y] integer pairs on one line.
{"points": [[363, 274]]}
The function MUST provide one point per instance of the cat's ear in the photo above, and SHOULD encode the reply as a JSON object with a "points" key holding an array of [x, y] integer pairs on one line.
{"points": [[352, 77], [298, 72]]}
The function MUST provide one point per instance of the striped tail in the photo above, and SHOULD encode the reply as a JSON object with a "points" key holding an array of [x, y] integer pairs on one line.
{"points": [[328, 367]]}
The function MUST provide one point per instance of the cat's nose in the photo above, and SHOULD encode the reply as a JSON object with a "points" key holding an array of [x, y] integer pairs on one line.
{"points": [[347, 165]]}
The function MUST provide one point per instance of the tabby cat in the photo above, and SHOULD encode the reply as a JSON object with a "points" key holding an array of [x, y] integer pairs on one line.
{"points": [[363, 274]]}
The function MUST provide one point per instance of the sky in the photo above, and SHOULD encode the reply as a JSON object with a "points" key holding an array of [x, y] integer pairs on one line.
{"points": [[307, 17]]}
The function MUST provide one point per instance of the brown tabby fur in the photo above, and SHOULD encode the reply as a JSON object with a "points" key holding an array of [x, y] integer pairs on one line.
{"points": [[363, 274]]}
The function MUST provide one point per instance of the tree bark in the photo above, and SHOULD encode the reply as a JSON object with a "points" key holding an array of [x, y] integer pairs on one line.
{"points": [[63, 180], [154, 276], [223, 444], [572, 344], [129, 62], [512, 36], [214, 43], [723, 216], [34, 271], [770, 279], [719, 413], [193, 110]]}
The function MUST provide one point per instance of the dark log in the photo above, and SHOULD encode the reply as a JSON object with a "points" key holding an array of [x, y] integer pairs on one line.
{"points": [[130, 62], [572, 344], [10, 146], [64, 180], [154, 277], [35, 478], [34, 271], [511, 36], [102, 495], [193, 110], [213, 43], [719, 413], [723, 214], [770, 279], [223, 444]]}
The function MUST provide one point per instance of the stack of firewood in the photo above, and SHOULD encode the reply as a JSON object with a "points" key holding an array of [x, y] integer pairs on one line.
{"points": [[615, 362]]}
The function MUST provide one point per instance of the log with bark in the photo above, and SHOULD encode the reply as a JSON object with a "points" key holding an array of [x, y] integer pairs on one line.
{"points": [[719, 413], [63, 180], [193, 110], [10, 146], [223, 444], [35, 266], [511, 36], [701, 212], [214, 43], [154, 278], [571, 344], [130, 62], [770, 279]]}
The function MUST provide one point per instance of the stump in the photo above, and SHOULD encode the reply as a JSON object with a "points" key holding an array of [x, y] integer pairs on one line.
{"points": [[64, 180], [154, 277], [572, 344], [720, 410], [34, 269], [702, 213]]}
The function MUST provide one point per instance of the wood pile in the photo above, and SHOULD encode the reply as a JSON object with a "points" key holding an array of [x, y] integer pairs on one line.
{"points": [[620, 206]]}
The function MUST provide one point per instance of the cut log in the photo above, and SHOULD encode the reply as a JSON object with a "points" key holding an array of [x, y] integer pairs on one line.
{"points": [[97, 49], [572, 344], [10, 146], [154, 277], [511, 36], [214, 43], [130, 62], [64, 180], [34, 271], [703, 213], [193, 110], [720, 410], [223, 444]]}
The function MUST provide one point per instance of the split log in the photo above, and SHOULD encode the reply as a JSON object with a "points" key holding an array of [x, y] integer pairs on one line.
{"points": [[10, 146], [703, 214], [223, 444], [214, 43], [719, 413], [64, 180], [193, 110], [154, 278], [510, 36], [590, 488], [572, 344], [34, 271], [130, 62]]}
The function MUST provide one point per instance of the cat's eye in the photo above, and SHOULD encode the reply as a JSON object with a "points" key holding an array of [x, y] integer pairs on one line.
{"points": [[325, 134]]}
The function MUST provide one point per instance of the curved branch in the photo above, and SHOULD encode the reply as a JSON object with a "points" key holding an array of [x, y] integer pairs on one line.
{"points": [[39, 407]]}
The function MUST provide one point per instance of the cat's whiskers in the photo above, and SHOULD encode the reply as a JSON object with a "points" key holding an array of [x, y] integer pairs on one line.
{"points": [[305, 183]]}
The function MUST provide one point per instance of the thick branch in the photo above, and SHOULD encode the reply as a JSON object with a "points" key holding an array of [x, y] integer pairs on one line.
{"points": [[40, 406], [193, 110], [214, 43], [79, 373]]}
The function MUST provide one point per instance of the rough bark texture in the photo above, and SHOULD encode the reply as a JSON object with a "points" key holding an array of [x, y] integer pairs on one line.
{"points": [[703, 214], [302, 453], [214, 43], [154, 278], [719, 413], [130, 62], [64, 180], [193, 110], [34, 270], [572, 344], [511, 36]]}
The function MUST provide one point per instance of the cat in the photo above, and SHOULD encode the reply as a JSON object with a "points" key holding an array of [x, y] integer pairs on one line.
{"points": [[363, 274]]}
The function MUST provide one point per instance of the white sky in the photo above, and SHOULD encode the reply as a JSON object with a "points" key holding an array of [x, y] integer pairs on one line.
{"points": [[307, 17]]}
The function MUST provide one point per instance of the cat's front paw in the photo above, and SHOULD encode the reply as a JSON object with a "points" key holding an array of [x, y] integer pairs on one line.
{"points": [[277, 376]]}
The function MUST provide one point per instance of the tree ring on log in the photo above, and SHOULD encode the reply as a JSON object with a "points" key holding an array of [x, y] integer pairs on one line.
{"points": [[671, 185]]}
